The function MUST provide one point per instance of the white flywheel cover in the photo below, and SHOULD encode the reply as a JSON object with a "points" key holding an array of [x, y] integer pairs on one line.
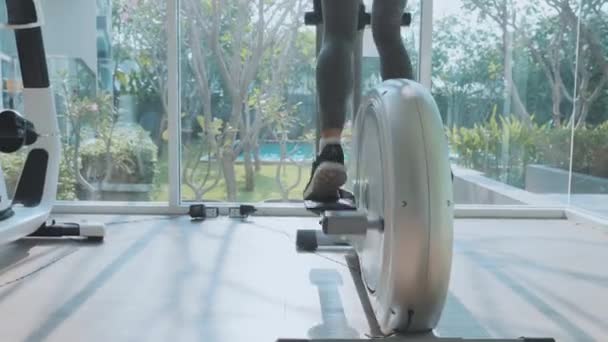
{"points": [[402, 174]]}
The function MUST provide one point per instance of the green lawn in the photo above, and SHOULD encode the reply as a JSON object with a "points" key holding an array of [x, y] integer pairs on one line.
{"points": [[266, 186]]}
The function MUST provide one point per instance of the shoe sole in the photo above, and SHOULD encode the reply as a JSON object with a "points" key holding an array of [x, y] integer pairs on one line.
{"points": [[326, 182]]}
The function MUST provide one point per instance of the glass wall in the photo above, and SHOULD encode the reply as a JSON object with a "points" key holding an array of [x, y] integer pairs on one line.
{"points": [[411, 38], [247, 100], [107, 63], [11, 98], [589, 179], [503, 77]]}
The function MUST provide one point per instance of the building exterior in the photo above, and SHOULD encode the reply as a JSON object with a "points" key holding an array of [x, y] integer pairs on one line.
{"points": [[77, 37]]}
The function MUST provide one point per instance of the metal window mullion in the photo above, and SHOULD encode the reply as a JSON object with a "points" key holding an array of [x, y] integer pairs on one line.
{"points": [[174, 149], [426, 43]]}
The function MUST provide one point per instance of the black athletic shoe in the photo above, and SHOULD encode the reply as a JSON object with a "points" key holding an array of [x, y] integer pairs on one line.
{"points": [[327, 176]]}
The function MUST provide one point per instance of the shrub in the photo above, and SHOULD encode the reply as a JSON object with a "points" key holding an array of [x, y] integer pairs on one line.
{"points": [[12, 165], [503, 147], [132, 158]]}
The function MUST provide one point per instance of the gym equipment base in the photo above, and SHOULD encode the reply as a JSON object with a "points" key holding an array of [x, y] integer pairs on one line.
{"points": [[92, 232]]}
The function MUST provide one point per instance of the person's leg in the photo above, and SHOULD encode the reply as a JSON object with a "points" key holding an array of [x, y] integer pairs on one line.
{"points": [[386, 27], [335, 64], [334, 87]]}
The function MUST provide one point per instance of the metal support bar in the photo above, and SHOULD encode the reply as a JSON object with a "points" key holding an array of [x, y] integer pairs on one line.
{"points": [[350, 222]]}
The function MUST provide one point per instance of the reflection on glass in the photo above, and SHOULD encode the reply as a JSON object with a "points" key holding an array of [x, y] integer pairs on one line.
{"points": [[503, 79], [11, 98], [107, 64]]}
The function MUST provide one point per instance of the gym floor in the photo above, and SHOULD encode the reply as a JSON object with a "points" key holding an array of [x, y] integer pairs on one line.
{"points": [[169, 279]]}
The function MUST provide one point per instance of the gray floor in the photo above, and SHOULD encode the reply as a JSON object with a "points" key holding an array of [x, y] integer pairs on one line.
{"points": [[222, 280]]}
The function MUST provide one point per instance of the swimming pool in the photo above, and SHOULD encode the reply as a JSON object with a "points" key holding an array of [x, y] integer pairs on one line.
{"points": [[298, 151]]}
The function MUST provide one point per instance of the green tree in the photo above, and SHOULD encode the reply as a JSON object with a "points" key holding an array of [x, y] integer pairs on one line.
{"points": [[139, 47], [238, 33], [544, 35], [467, 80]]}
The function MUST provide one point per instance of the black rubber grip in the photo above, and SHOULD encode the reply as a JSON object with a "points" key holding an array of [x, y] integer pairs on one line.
{"points": [[21, 12], [31, 184], [306, 241], [30, 45]]}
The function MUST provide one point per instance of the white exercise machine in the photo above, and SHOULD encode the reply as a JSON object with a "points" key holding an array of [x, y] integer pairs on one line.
{"points": [[399, 217], [27, 214]]}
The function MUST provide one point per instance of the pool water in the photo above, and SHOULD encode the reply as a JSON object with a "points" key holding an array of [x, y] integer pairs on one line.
{"points": [[297, 151]]}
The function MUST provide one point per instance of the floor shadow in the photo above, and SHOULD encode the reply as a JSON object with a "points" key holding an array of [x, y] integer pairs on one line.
{"points": [[61, 314], [519, 289], [600, 322], [207, 331], [457, 320], [23, 257], [334, 322], [14, 254], [170, 302], [516, 260], [18, 254]]}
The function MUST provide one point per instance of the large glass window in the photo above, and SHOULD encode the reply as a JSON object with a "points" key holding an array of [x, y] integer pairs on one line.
{"points": [[247, 99], [107, 64], [411, 37], [504, 75], [370, 62], [11, 96], [503, 78], [589, 179]]}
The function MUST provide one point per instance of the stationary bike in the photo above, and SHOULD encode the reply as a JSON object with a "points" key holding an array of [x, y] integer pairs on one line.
{"points": [[27, 214], [398, 214], [400, 217], [399, 210]]}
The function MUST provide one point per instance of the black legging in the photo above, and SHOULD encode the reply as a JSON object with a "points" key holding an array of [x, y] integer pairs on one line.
{"points": [[335, 62]]}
